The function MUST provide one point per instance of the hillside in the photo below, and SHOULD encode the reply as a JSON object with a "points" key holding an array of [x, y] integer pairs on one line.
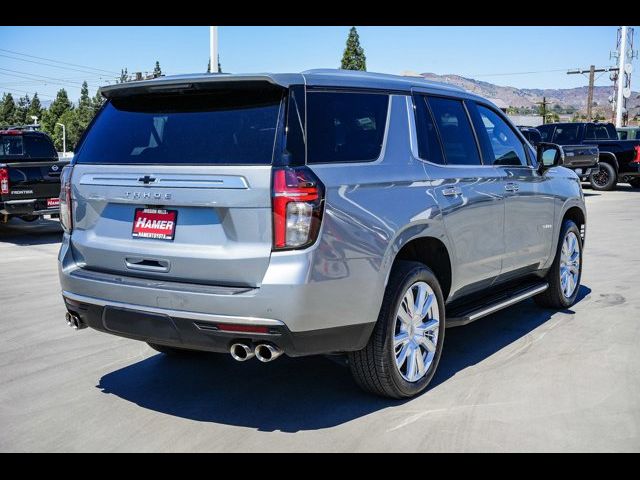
{"points": [[515, 97]]}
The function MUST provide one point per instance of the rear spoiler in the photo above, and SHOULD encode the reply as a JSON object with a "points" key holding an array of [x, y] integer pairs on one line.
{"points": [[196, 82]]}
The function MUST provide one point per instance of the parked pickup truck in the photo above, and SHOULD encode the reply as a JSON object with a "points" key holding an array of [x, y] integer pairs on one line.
{"points": [[29, 175], [619, 159], [582, 159], [327, 212]]}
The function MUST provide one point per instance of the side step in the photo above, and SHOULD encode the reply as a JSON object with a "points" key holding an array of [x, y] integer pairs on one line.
{"points": [[469, 313]]}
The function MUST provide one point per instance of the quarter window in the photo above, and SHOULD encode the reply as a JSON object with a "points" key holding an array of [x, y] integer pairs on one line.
{"points": [[345, 126], [458, 141], [427, 136], [506, 148]]}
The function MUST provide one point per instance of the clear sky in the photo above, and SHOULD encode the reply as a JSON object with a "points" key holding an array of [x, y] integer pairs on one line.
{"points": [[495, 54]]}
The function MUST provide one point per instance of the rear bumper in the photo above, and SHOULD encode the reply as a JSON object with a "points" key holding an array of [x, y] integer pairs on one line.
{"points": [[305, 316], [27, 207]]}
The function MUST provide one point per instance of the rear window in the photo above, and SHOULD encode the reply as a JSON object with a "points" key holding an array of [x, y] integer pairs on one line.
{"points": [[345, 126], [222, 126], [27, 147]]}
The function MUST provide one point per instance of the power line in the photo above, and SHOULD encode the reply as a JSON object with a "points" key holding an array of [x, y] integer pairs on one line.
{"points": [[94, 74], [516, 73], [25, 91], [19, 74], [59, 61]]}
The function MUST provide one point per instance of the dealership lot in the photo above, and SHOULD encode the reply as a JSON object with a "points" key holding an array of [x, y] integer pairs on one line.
{"points": [[522, 379]]}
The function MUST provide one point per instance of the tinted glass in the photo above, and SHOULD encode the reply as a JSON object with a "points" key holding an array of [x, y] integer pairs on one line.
{"points": [[506, 147], [214, 127], [545, 132], [427, 136], [623, 134], [11, 145], [345, 127], [39, 146], [596, 132], [455, 131], [534, 137], [566, 134]]}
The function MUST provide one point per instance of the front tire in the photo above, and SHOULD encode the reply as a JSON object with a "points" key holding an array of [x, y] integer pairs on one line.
{"points": [[405, 347], [565, 272], [605, 178]]}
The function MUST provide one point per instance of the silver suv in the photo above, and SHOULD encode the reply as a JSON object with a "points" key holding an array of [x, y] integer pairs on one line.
{"points": [[327, 212]]}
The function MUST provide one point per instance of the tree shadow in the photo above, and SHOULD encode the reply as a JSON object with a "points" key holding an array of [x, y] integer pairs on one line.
{"points": [[290, 395], [40, 232]]}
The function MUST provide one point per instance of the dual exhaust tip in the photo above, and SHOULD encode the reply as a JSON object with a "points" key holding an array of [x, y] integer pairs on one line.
{"points": [[264, 352], [74, 321]]}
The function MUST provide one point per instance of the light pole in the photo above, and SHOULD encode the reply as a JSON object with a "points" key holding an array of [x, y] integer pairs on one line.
{"points": [[64, 140]]}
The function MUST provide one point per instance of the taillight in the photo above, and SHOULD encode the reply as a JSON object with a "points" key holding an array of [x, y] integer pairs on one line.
{"points": [[66, 202], [297, 207], [4, 181], [636, 158]]}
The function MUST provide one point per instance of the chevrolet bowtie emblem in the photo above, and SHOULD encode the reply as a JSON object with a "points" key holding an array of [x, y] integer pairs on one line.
{"points": [[146, 179]]}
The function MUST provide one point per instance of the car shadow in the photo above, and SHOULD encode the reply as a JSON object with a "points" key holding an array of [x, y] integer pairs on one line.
{"points": [[294, 394], [40, 232]]}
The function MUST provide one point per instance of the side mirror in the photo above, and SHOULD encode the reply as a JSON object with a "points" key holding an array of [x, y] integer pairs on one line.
{"points": [[549, 155]]}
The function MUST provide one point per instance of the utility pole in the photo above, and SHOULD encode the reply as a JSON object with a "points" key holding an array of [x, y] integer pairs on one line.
{"points": [[621, 61], [624, 54], [543, 104], [592, 71], [213, 48]]}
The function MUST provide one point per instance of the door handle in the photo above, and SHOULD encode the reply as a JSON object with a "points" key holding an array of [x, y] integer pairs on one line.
{"points": [[451, 192], [511, 187], [145, 264]]}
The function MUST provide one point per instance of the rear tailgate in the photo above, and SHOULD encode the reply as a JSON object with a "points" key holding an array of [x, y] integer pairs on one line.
{"points": [[580, 156], [28, 180], [178, 187]]}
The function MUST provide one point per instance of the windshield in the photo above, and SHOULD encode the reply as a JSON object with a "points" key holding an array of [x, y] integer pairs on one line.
{"points": [[222, 126]]}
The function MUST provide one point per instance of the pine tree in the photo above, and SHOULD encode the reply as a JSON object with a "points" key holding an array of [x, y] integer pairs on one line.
{"points": [[52, 115], [353, 57], [7, 110], [35, 108], [124, 76], [96, 102], [85, 106], [22, 111], [157, 71]]}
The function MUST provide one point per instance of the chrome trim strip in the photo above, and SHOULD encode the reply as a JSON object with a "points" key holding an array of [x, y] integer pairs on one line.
{"points": [[207, 317]]}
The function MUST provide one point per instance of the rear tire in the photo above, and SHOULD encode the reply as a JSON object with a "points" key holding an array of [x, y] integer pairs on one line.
{"points": [[635, 182], [558, 295], [403, 352], [605, 178], [172, 351]]}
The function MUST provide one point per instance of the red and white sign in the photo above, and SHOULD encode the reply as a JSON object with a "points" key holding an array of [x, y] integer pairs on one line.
{"points": [[53, 202], [154, 223]]}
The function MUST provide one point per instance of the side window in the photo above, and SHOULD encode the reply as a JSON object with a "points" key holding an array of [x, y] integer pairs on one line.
{"points": [[428, 144], [566, 134], [506, 148], [623, 135], [345, 126], [457, 137]]}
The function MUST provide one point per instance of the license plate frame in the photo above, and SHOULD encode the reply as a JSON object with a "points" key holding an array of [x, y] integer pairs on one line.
{"points": [[155, 231]]}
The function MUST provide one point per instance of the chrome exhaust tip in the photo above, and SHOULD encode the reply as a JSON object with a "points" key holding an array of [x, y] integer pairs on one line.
{"points": [[74, 321], [267, 353], [241, 352]]}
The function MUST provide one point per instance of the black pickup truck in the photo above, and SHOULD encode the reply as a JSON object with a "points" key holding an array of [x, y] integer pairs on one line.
{"points": [[619, 159], [582, 159], [29, 175]]}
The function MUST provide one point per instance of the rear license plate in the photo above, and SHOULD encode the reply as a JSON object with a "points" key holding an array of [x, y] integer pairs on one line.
{"points": [[154, 223], [53, 202]]}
